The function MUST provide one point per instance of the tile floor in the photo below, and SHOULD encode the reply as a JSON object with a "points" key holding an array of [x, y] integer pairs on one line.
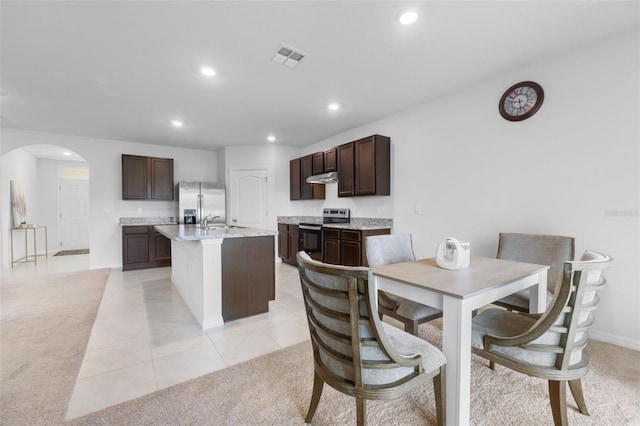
{"points": [[145, 338]]}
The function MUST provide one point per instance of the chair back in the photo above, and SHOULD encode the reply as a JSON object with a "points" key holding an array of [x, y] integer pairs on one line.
{"points": [[548, 250], [351, 350], [388, 249]]}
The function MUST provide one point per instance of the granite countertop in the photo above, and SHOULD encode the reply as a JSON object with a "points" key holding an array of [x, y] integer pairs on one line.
{"points": [[138, 221], [357, 223], [195, 233]]}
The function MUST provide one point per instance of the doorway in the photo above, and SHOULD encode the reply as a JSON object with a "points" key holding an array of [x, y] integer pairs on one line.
{"points": [[248, 198], [74, 209]]}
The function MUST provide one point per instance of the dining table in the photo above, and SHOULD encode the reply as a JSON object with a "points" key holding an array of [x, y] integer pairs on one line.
{"points": [[458, 293]]}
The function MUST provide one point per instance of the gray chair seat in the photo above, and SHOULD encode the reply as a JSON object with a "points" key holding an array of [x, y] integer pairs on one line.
{"points": [[496, 322]]}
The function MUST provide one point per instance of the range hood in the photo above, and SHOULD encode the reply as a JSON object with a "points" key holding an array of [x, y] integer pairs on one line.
{"points": [[330, 177]]}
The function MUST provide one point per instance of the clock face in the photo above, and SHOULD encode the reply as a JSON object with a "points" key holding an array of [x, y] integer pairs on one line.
{"points": [[521, 101]]}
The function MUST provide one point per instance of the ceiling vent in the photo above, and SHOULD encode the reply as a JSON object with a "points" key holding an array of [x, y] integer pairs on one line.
{"points": [[288, 56]]}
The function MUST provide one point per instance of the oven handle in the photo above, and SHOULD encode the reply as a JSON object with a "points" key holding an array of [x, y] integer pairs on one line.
{"points": [[310, 227]]}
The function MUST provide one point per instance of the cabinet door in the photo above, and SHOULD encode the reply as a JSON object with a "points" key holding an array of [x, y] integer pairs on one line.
{"points": [[161, 178], [283, 241], [134, 177], [330, 160], [294, 179], [350, 252], [159, 247], [247, 287], [331, 251], [135, 245], [372, 166], [318, 163], [293, 245], [345, 170], [365, 167], [306, 170]]}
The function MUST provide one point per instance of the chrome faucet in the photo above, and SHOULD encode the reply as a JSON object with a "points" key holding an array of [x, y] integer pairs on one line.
{"points": [[205, 220]]}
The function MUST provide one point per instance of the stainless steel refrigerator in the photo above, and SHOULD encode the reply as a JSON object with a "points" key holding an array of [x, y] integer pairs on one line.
{"points": [[196, 200]]}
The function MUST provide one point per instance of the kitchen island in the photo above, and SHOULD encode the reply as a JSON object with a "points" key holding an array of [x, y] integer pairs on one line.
{"points": [[222, 274]]}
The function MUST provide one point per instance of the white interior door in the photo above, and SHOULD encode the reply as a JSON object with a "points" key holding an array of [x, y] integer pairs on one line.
{"points": [[74, 214], [248, 198]]}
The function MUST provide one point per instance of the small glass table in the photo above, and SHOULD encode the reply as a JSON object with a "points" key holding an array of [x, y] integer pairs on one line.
{"points": [[30, 257]]}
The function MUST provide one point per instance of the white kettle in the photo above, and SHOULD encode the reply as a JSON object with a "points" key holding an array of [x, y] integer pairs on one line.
{"points": [[453, 254]]}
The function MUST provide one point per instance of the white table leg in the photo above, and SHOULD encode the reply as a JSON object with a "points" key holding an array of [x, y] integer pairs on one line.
{"points": [[456, 346], [538, 294]]}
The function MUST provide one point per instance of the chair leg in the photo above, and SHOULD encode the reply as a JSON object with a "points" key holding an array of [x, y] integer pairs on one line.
{"points": [[558, 399], [361, 411], [492, 365], [411, 327], [576, 391], [439, 395], [318, 383]]}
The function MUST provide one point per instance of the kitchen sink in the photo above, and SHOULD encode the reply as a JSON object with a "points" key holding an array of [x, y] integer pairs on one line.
{"points": [[220, 226]]}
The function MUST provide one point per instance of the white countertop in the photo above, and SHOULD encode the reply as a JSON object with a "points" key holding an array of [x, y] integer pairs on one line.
{"points": [[194, 233]]}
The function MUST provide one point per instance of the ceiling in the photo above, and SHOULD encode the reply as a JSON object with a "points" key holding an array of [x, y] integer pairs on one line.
{"points": [[122, 70]]}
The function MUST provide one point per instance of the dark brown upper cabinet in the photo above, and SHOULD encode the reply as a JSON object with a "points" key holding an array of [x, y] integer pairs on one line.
{"points": [[346, 172], [299, 170], [306, 170], [294, 179], [147, 178], [330, 160], [364, 167], [318, 163]]}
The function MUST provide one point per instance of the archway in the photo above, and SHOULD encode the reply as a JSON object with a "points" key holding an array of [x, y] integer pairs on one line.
{"points": [[41, 170]]}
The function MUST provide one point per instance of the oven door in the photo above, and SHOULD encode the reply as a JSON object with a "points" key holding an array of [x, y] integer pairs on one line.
{"points": [[310, 240]]}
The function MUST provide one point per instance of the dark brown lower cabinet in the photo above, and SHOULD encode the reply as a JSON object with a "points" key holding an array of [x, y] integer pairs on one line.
{"points": [[248, 276], [143, 248], [347, 246], [288, 243], [331, 246]]}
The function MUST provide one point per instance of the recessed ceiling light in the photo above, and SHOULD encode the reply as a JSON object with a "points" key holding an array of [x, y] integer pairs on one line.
{"points": [[334, 106], [208, 71], [408, 17], [271, 138], [67, 153], [177, 123]]}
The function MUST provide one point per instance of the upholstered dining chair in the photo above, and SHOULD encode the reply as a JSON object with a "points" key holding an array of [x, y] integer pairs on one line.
{"points": [[353, 351], [396, 248], [551, 250], [550, 345]]}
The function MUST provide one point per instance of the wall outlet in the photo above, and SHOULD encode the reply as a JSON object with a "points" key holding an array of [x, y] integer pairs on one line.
{"points": [[417, 209], [139, 209]]}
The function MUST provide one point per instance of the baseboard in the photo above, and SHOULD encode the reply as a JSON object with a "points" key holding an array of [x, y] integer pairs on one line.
{"points": [[614, 340]]}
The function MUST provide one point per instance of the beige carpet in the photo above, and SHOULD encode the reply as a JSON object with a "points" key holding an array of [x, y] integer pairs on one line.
{"points": [[275, 390], [45, 327], [46, 324]]}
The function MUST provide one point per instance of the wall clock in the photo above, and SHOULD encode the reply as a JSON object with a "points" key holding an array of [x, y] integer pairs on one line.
{"points": [[521, 101]]}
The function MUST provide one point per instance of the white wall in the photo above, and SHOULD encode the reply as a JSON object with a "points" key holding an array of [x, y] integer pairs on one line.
{"points": [[106, 204], [564, 171], [21, 167]]}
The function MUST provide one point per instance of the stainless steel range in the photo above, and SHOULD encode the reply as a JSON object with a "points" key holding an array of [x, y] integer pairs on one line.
{"points": [[310, 234]]}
